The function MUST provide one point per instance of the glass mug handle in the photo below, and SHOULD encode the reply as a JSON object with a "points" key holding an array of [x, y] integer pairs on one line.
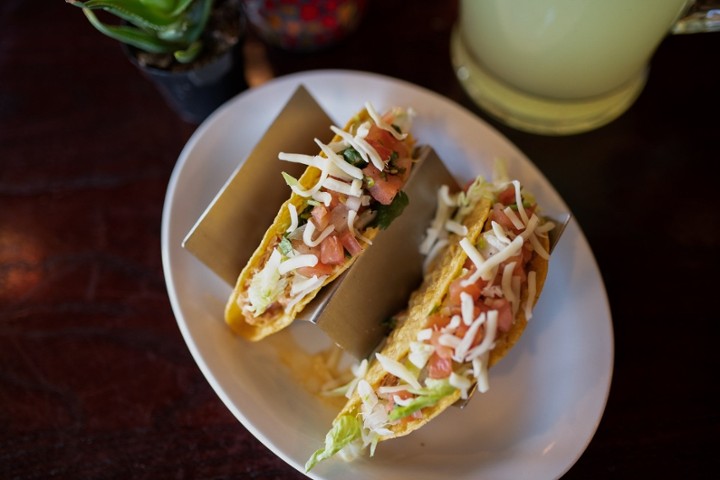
{"points": [[702, 16]]}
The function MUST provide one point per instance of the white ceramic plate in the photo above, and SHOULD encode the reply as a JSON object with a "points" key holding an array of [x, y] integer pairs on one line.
{"points": [[546, 397]]}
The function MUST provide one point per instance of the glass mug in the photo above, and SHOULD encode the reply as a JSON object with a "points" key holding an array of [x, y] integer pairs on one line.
{"points": [[559, 67]]}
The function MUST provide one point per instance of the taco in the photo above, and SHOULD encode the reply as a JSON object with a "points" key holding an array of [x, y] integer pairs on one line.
{"points": [[473, 306], [349, 191]]}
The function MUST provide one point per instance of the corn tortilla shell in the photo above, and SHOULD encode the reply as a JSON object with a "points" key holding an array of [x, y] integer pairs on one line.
{"points": [[423, 301], [257, 328]]}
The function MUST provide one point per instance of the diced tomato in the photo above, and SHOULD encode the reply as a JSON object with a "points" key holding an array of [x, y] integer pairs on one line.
{"points": [[443, 351], [497, 215], [382, 140], [383, 187], [519, 270], [350, 243], [384, 152], [505, 317], [386, 184], [527, 253], [300, 246], [402, 395], [338, 217], [331, 251], [456, 288], [437, 321], [320, 216], [507, 196], [336, 198], [439, 367], [462, 330], [320, 269]]}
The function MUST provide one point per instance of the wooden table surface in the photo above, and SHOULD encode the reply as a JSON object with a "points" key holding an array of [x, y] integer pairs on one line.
{"points": [[95, 378]]}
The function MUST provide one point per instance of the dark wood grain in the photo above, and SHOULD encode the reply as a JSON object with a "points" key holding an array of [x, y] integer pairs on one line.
{"points": [[95, 379]]}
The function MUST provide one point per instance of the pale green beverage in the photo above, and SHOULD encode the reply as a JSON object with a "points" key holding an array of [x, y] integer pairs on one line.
{"points": [[558, 66]]}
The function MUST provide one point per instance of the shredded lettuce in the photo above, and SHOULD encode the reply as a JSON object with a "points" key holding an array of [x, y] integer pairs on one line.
{"points": [[266, 285], [285, 246], [345, 430], [467, 200], [426, 397]]}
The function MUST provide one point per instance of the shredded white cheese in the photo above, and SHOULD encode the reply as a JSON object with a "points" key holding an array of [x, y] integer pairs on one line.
{"points": [[298, 292], [485, 268], [473, 254], [301, 283], [463, 346], [461, 382], [340, 163], [385, 389], [456, 227], [480, 372], [293, 218], [455, 321], [506, 282], [539, 249], [531, 292], [510, 213], [364, 149], [382, 124], [323, 197], [425, 334], [467, 307], [420, 353], [434, 233], [518, 200], [449, 340], [354, 188], [298, 261], [310, 230], [499, 232], [488, 340], [396, 368], [296, 187]]}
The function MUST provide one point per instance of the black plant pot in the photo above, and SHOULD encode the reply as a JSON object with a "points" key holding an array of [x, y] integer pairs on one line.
{"points": [[196, 93]]}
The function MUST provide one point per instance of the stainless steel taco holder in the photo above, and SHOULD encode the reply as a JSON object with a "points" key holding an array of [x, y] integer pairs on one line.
{"points": [[353, 309]]}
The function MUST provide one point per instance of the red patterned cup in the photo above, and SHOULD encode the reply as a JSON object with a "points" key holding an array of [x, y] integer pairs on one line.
{"points": [[304, 24]]}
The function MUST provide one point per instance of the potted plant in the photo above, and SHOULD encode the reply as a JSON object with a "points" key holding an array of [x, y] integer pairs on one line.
{"points": [[191, 49]]}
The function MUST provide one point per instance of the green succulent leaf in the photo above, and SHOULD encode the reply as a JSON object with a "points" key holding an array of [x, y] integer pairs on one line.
{"points": [[131, 36], [155, 26], [189, 54], [198, 17], [173, 7], [135, 12]]}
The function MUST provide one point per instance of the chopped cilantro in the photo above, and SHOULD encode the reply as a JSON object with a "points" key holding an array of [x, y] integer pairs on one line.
{"points": [[352, 157], [304, 216], [525, 203], [387, 213]]}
